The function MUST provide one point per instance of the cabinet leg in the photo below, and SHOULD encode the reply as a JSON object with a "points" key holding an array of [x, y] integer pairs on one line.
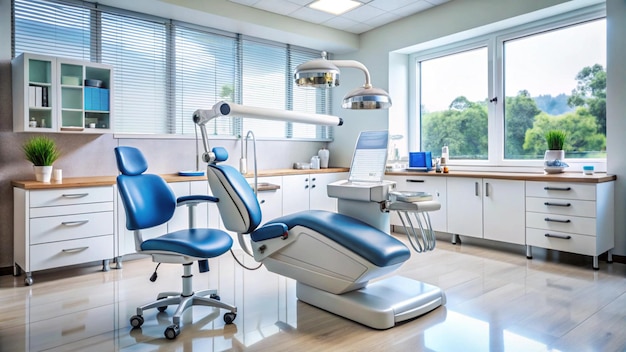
{"points": [[455, 238], [595, 263], [529, 252], [105, 265], [17, 271], [609, 256], [118, 262]]}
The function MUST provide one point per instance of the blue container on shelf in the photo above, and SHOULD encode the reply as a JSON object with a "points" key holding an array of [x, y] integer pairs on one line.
{"points": [[420, 161]]}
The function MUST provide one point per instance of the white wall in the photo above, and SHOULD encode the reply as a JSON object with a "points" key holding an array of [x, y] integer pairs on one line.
{"points": [[616, 113]]}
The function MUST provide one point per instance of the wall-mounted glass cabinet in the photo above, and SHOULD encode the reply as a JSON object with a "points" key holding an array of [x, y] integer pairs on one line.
{"points": [[60, 95]]}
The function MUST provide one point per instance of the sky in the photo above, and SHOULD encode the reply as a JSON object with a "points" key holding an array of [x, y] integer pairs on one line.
{"points": [[542, 64]]}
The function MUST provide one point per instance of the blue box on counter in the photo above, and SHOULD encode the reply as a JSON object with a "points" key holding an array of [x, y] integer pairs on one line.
{"points": [[422, 161]]}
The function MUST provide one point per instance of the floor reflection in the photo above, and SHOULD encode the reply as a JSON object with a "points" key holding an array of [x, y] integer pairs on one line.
{"points": [[496, 301]]}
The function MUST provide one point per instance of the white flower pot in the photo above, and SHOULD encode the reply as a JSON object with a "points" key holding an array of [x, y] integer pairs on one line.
{"points": [[43, 173], [551, 166]]}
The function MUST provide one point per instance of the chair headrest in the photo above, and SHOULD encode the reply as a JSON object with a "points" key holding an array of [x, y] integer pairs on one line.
{"points": [[130, 161], [221, 154]]}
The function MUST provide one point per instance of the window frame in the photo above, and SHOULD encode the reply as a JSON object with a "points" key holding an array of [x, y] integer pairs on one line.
{"points": [[494, 41]]}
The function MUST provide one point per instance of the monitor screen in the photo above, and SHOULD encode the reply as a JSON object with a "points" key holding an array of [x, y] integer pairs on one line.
{"points": [[370, 157]]}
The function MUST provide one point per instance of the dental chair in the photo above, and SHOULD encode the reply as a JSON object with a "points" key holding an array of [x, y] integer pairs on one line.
{"points": [[333, 257], [148, 202]]}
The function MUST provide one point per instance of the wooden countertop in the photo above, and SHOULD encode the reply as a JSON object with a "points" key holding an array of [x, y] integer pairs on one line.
{"points": [[524, 176], [94, 181], [70, 182]]}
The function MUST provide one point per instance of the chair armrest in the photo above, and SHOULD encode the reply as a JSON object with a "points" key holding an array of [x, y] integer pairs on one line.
{"points": [[269, 231], [195, 200]]}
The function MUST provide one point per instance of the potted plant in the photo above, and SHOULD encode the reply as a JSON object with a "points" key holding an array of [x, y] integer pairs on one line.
{"points": [[42, 152], [554, 156]]}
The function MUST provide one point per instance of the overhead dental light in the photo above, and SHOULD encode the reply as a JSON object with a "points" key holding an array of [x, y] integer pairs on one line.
{"points": [[324, 73]]}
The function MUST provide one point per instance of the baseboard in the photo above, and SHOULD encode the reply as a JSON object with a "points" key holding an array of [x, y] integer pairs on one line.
{"points": [[7, 270]]}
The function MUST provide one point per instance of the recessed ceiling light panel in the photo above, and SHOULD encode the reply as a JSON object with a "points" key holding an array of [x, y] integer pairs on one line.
{"points": [[335, 7]]}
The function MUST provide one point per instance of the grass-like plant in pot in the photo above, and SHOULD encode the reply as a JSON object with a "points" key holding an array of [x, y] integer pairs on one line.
{"points": [[556, 139], [42, 152], [555, 155]]}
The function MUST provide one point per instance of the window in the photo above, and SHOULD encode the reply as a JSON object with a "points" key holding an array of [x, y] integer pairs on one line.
{"points": [[556, 80], [165, 70], [493, 98], [454, 104]]}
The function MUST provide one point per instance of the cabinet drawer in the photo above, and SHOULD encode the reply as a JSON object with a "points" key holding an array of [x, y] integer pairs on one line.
{"points": [[570, 242], [68, 196], [61, 228], [562, 223], [561, 206], [71, 209], [560, 190], [55, 254]]}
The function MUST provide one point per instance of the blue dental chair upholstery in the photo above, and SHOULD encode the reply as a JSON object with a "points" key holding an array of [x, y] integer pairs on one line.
{"points": [[332, 256], [148, 201]]}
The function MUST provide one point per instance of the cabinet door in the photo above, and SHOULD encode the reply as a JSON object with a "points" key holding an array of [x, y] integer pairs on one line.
{"points": [[271, 201], [434, 185], [34, 93], [504, 211], [319, 198], [296, 193], [465, 206]]}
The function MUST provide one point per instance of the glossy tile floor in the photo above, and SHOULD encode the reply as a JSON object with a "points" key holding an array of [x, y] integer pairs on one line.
{"points": [[497, 301]]}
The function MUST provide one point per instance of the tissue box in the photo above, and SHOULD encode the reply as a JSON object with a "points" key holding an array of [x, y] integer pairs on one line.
{"points": [[421, 160]]}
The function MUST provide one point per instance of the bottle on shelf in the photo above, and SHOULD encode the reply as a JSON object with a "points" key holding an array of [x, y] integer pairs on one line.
{"points": [[444, 159]]}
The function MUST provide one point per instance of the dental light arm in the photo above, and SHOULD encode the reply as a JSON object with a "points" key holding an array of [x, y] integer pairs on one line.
{"points": [[357, 65], [202, 116], [324, 73]]}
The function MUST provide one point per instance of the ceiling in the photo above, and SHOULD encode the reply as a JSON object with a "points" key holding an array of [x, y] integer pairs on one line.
{"points": [[372, 14]]}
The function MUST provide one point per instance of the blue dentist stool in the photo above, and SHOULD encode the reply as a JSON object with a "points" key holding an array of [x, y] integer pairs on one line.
{"points": [[148, 202]]}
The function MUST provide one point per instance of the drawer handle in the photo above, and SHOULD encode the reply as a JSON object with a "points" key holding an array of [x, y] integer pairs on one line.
{"points": [[558, 188], [74, 250], [558, 220], [74, 223], [558, 204], [262, 201], [563, 237], [416, 181], [75, 195]]}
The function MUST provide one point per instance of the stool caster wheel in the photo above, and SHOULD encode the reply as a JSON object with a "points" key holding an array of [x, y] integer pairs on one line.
{"points": [[162, 308], [229, 317], [136, 321], [172, 331]]}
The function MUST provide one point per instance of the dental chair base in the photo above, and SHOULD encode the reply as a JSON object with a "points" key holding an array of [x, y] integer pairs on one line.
{"points": [[379, 305]]}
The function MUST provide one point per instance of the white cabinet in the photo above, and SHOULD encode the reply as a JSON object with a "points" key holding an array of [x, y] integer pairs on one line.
{"points": [[60, 95], [465, 206], [63, 226], [570, 217], [503, 211], [477, 207], [304, 192], [270, 196], [434, 185]]}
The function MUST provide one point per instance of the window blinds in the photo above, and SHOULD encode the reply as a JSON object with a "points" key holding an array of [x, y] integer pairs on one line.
{"points": [[164, 70]]}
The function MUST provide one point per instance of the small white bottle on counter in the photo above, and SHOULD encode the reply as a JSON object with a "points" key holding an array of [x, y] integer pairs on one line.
{"points": [[315, 162]]}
